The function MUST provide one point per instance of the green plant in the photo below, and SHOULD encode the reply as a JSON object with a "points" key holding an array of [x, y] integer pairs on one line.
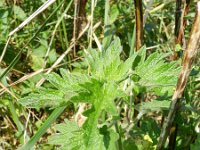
{"points": [[99, 84], [71, 55]]}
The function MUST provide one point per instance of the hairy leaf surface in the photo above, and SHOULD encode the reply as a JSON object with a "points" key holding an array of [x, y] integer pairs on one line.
{"points": [[155, 73]]}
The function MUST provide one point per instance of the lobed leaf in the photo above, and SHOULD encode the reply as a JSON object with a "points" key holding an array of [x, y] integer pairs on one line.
{"points": [[44, 97], [156, 74], [72, 137]]}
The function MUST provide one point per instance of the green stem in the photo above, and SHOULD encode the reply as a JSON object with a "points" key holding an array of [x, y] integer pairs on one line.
{"points": [[119, 141], [107, 26]]}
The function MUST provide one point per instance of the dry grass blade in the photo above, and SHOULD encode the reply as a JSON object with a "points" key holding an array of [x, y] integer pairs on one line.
{"points": [[62, 56], [22, 79], [97, 42], [75, 22], [37, 12], [54, 33], [31, 17], [146, 13], [7, 90], [189, 56], [91, 26]]}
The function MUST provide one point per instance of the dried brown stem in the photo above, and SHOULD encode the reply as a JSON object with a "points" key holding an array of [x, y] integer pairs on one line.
{"points": [[189, 56], [187, 7], [81, 16], [179, 34], [178, 40], [180, 24], [75, 24], [79, 19], [139, 23]]}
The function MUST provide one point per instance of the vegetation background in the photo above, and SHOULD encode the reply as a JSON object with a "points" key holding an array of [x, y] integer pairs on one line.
{"points": [[117, 60]]}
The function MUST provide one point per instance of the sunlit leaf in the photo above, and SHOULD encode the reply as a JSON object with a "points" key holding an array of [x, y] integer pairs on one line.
{"points": [[19, 13]]}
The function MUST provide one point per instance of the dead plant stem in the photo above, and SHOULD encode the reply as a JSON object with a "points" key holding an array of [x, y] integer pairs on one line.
{"points": [[189, 56]]}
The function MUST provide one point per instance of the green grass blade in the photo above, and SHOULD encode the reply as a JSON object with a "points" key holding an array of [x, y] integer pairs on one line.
{"points": [[55, 29], [15, 60], [43, 128], [132, 44], [15, 118]]}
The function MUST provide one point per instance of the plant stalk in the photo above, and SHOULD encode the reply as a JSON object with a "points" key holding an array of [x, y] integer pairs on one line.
{"points": [[180, 24], [189, 56], [186, 11], [178, 40], [139, 23], [54, 115]]}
